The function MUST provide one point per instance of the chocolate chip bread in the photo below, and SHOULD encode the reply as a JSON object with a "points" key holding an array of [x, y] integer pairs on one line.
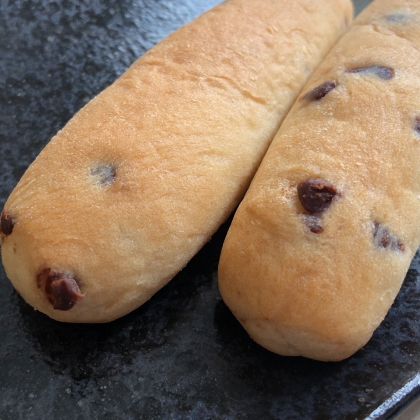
{"points": [[319, 247], [133, 186]]}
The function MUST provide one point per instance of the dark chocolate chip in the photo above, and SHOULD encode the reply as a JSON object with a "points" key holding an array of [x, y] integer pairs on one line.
{"points": [[314, 223], [65, 292], [6, 223], [417, 124], [384, 73], [61, 290], [383, 239], [105, 174], [320, 91], [316, 194]]}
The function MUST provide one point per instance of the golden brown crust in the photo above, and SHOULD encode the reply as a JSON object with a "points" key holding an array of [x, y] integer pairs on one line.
{"points": [[144, 174], [322, 293]]}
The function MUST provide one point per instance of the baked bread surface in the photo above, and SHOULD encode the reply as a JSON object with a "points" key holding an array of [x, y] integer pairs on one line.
{"points": [[320, 245], [137, 182]]}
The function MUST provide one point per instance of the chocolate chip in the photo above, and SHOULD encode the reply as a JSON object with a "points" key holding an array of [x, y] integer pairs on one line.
{"points": [[66, 293], [105, 174], [319, 92], [398, 17], [417, 124], [313, 222], [316, 194], [384, 73], [6, 223], [61, 290], [383, 239]]}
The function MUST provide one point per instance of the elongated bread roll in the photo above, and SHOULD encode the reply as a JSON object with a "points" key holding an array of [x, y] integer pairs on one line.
{"points": [[138, 181], [319, 247]]}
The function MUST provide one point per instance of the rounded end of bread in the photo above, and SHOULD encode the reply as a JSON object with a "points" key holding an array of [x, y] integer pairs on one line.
{"points": [[273, 332], [281, 331], [62, 277], [288, 340], [303, 293]]}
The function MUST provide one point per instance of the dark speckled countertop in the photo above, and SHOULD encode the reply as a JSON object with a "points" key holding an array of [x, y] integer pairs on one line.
{"points": [[182, 355]]}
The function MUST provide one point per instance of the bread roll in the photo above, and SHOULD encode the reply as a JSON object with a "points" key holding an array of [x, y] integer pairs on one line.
{"points": [[320, 246], [138, 181]]}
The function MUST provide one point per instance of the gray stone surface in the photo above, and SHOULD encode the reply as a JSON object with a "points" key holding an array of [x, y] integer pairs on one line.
{"points": [[182, 355]]}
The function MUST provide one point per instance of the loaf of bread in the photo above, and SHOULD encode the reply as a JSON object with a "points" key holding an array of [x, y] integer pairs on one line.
{"points": [[320, 245], [138, 181]]}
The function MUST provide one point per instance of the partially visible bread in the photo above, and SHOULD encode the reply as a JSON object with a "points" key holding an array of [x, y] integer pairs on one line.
{"points": [[138, 181], [320, 246]]}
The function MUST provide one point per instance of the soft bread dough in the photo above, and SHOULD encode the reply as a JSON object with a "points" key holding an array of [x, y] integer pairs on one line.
{"points": [[137, 182], [316, 282]]}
